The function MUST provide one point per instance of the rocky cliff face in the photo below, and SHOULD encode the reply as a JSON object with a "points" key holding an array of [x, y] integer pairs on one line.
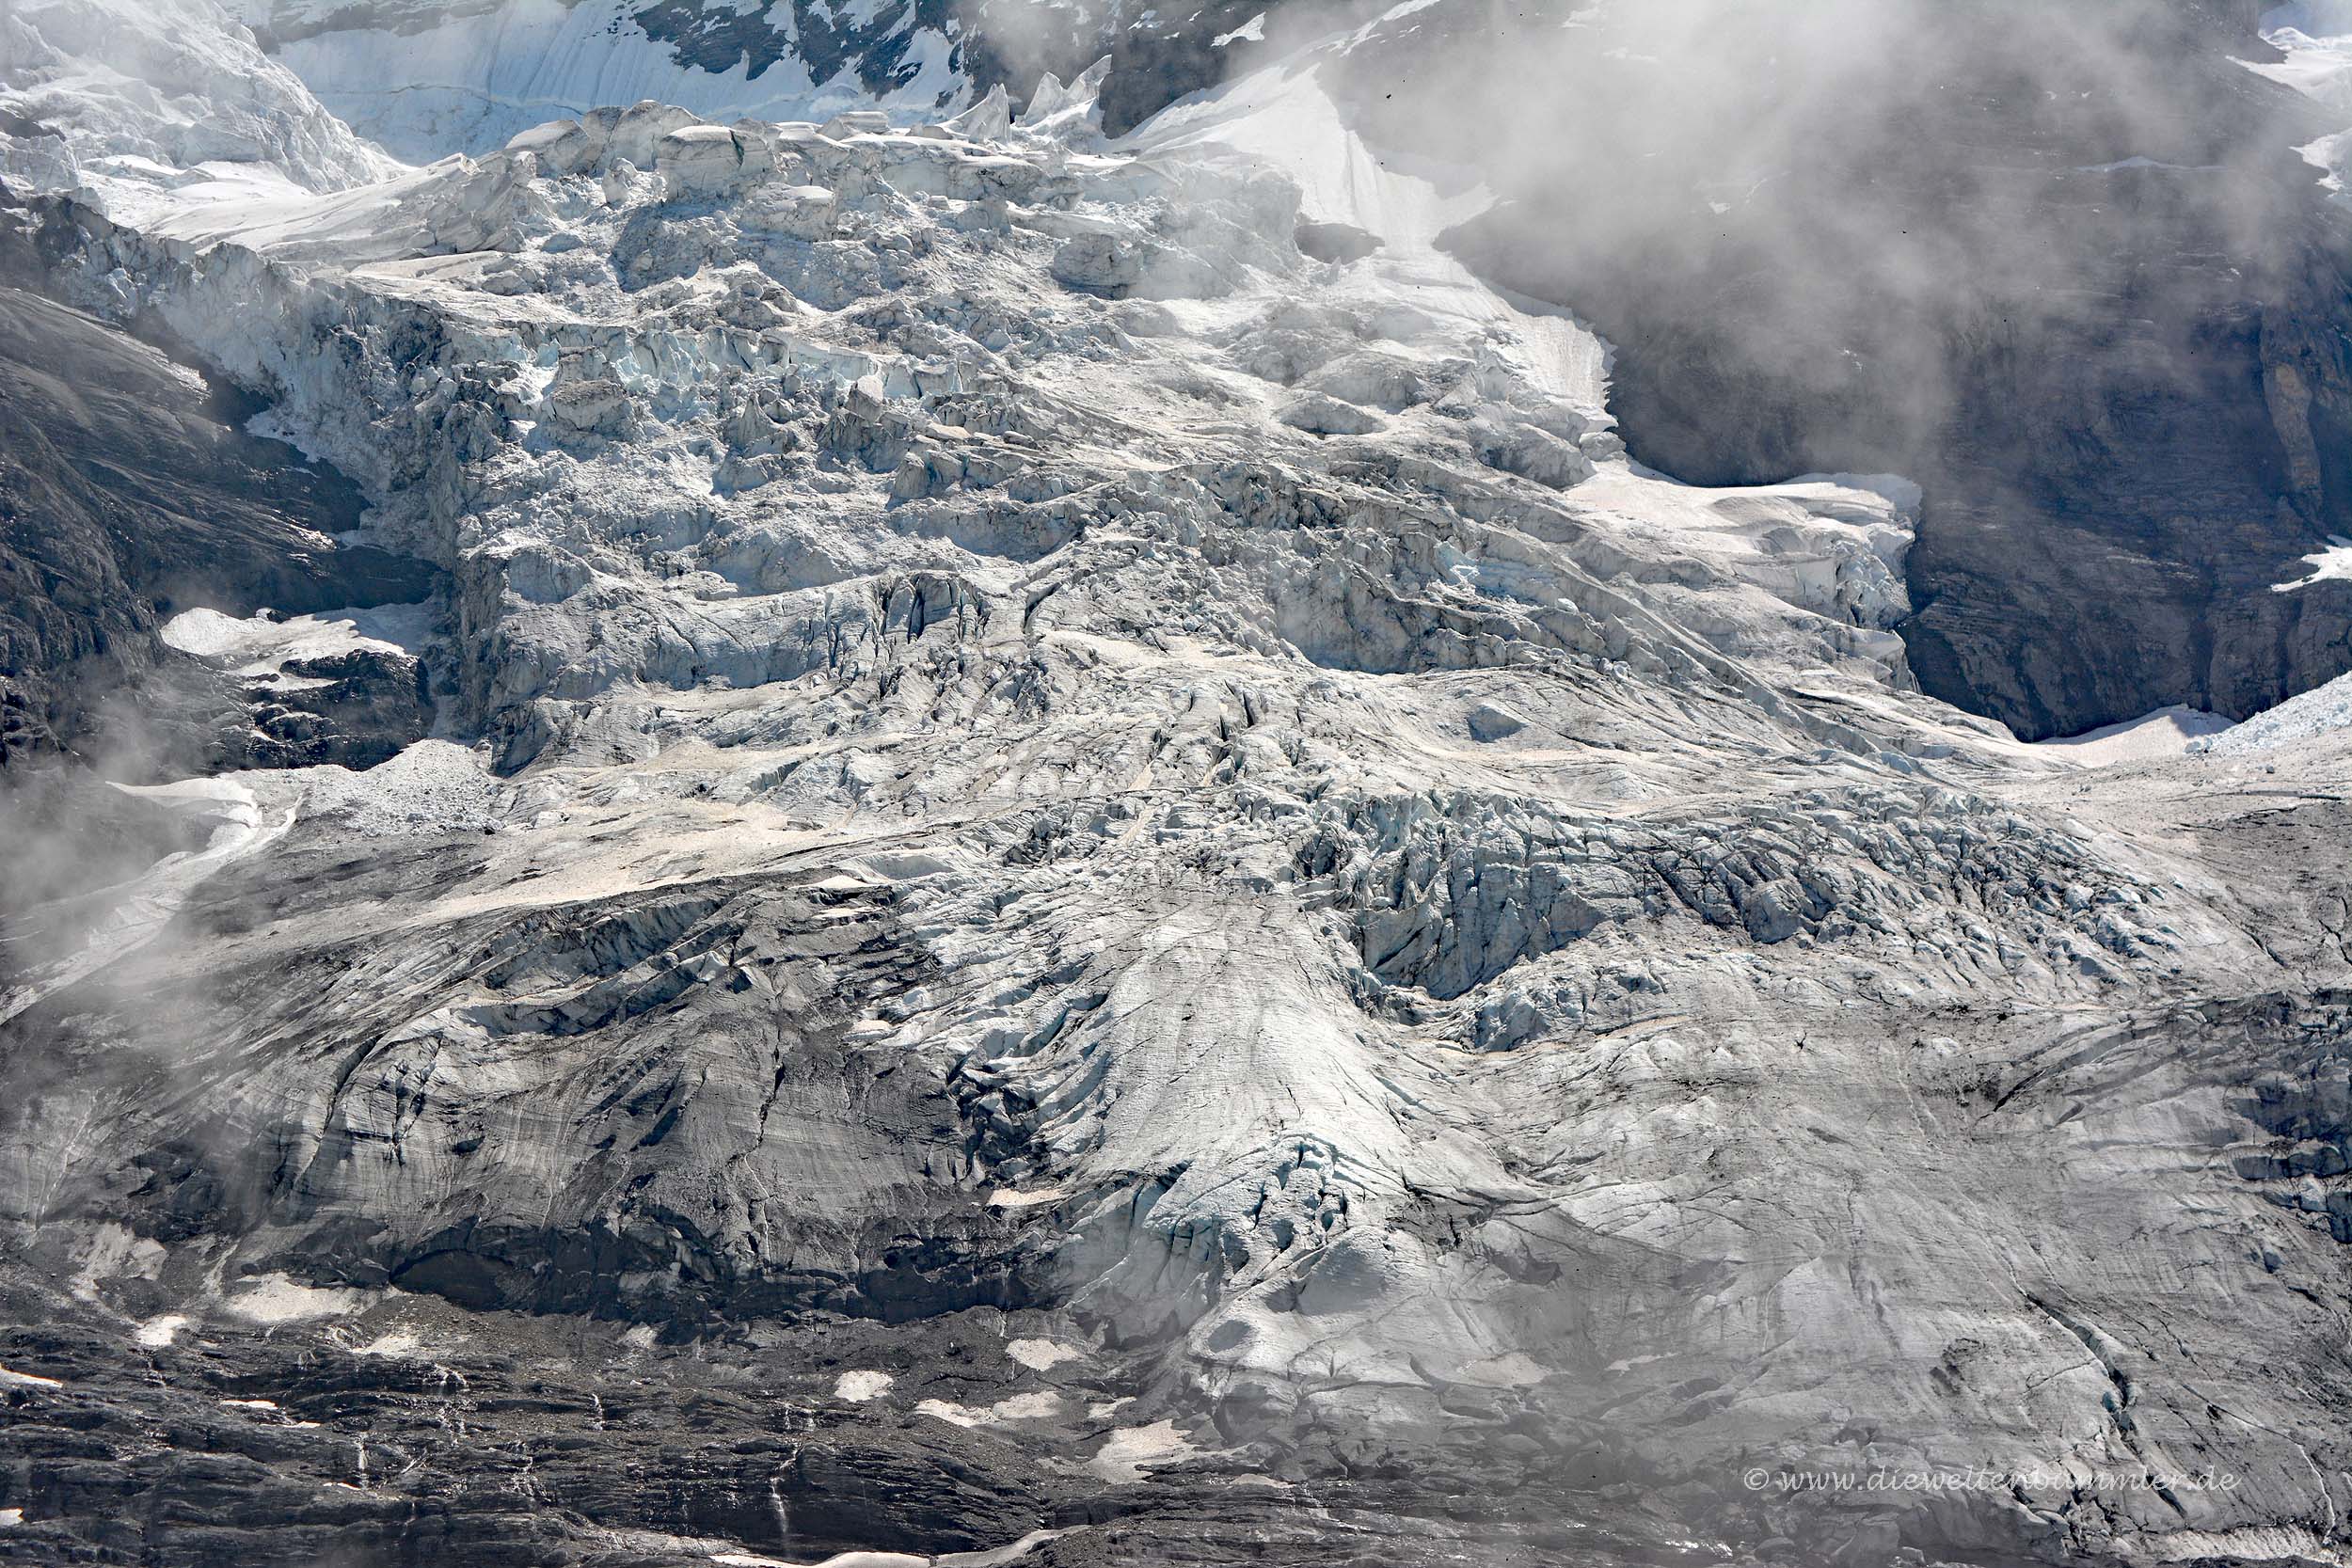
{"points": [[1095, 883], [2079, 285], [128, 492]]}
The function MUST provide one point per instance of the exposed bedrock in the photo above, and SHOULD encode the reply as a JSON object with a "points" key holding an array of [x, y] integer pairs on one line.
{"points": [[2107, 337], [129, 491], [683, 1131]]}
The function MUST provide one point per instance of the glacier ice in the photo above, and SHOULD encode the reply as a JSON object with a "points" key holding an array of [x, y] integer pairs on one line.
{"points": [[1038, 758]]}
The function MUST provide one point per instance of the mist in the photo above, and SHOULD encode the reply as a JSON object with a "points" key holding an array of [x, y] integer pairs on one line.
{"points": [[2061, 266], [1823, 193]]}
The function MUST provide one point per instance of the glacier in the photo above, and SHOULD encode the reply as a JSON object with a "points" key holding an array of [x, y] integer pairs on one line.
{"points": [[1054, 860]]}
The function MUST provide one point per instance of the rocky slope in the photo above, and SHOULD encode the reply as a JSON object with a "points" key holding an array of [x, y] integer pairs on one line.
{"points": [[1097, 885]]}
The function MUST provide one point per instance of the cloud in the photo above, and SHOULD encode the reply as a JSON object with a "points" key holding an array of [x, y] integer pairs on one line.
{"points": [[1828, 193]]}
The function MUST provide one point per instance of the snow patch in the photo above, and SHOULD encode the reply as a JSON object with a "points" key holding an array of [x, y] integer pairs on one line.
{"points": [[1282, 116], [1903, 495], [1005, 1197], [859, 1386], [995, 1557], [2138, 161], [1040, 1406], [117, 1252], [2334, 564], [275, 1299], [1131, 1451], [157, 1333], [264, 643], [396, 1344], [2169, 732], [2316, 38], [10, 1378]]}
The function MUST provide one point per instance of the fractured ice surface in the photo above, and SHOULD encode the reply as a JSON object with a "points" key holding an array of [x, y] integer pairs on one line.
{"points": [[1023, 743]]}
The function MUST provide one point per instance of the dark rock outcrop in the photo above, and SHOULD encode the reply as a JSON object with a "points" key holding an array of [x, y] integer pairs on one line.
{"points": [[129, 490], [2067, 274], [355, 708]]}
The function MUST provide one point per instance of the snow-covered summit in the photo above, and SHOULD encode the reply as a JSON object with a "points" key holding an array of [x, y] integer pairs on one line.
{"points": [[427, 78], [467, 78]]}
